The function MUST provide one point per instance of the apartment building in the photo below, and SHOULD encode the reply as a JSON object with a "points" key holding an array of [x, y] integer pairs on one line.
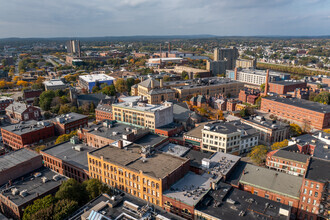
{"points": [[314, 197], [246, 64], [138, 171], [269, 131], [64, 124], [300, 111], [228, 137], [18, 136], [18, 111], [142, 114], [283, 87], [103, 112], [4, 103]]}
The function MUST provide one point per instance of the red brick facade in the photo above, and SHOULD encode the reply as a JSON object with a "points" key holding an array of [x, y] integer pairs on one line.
{"points": [[16, 141], [283, 89], [296, 114], [31, 113], [169, 132], [66, 128], [178, 208], [102, 115]]}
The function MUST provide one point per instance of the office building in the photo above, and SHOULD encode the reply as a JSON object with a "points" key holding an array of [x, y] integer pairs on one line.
{"points": [[270, 131], [89, 81], [54, 84], [64, 124], [19, 111], [302, 112], [229, 55], [141, 172], [103, 112], [68, 158], [142, 114], [73, 47], [26, 189], [21, 135], [283, 87], [229, 137]]}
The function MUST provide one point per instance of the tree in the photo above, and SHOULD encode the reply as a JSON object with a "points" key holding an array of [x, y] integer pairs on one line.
{"points": [[166, 78], [92, 107], [262, 87], [47, 115], [45, 99], [72, 190], [64, 109], [95, 187], [184, 75], [323, 97], [120, 85], [65, 137], [258, 154], [130, 82], [37, 205], [95, 89], [22, 83], [109, 90], [244, 112], [64, 208], [295, 130], [279, 145]]}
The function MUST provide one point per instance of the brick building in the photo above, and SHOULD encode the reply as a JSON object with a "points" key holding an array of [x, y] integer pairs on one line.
{"points": [[270, 184], [4, 103], [282, 87], [248, 95], [288, 162], [18, 111], [314, 197], [169, 130], [31, 132], [64, 124], [139, 172], [18, 163], [68, 158], [300, 111], [29, 95], [28, 188], [103, 111]]}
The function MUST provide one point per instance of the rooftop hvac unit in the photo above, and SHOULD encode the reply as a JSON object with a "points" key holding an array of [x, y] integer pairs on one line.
{"points": [[23, 193], [44, 179], [56, 177], [14, 191]]}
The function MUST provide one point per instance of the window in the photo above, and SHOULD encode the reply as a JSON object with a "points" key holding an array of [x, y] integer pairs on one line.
{"points": [[305, 191], [310, 192], [278, 199], [309, 200], [255, 192], [314, 202], [316, 194], [290, 203], [266, 196], [304, 198], [317, 186], [306, 183], [312, 185]]}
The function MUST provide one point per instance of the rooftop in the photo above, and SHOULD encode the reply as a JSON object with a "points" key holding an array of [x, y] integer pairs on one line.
{"points": [[33, 184], [206, 82], [196, 157], [294, 156], [18, 107], [96, 77], [196, 132], [16, 157], [54, 82], [227, 202], [271, 180], [174, 149], [140, 106], [75, 154], [158, 165], [190, 189], [25, 127], [147, 83], [68, 118], [118, 207], [301, 103], [150, 140], [317, 170], [230, 127], [262, 121], [287, 82]]}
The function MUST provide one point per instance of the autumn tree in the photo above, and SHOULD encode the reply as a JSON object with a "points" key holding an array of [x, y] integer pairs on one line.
{"points": [[65, 137], [258, 153], [120, 85], [295, 130], [279, 145]]}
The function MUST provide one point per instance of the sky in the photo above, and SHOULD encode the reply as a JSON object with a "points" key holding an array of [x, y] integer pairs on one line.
{"points": [[89, 18]]}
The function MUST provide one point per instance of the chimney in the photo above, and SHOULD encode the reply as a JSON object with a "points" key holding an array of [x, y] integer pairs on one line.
{"points": [[120, 144], [169, 47], [235, 74], [161, 83], [152, 83], [266, 83]]}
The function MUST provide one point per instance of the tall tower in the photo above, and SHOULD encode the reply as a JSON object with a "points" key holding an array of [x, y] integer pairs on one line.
{"points": [[169, 47], [216, 54]]}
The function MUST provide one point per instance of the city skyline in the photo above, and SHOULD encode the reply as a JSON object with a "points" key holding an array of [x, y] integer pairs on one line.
{"points": [[149, 18]]}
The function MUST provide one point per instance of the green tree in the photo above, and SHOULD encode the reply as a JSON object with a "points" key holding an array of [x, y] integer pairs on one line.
{"points": [[64, 208], [47, 115], [64, 109], [323, 97], [166, 78], [120, 85], [279, 145], [65, 137], [244, 112], [258, 154], [95, 187], [72, 190], [109, 90], [95, 89], [45, 99], [262, 87], [37, 205], [130, 82], [184, 75]]}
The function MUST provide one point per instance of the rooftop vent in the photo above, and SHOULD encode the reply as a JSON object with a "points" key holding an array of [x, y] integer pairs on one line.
{"points": [[56, 177], [23, 193]]}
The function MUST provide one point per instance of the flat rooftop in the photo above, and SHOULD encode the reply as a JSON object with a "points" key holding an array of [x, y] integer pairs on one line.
{"points": [[68, 118], [67, 152], [227, 202], [288, 82], [301, 103], [271, 180], [34, 185], [16, 157], [261, 72], [54, 82], [262, 121], [196, 157], [26, 127], [294, 156], [96, 77], [158, 165], [318, 170], [150, 140], [196, 132], [222, 127], [143, 107], [206, 82], [190, 189], [175, 149]]}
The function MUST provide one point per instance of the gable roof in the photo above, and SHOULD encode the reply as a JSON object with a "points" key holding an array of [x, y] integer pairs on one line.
{"points": [[147, 83]]}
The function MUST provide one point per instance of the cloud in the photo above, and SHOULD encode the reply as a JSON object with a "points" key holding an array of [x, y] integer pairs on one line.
{"points": [[35, 18]]}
